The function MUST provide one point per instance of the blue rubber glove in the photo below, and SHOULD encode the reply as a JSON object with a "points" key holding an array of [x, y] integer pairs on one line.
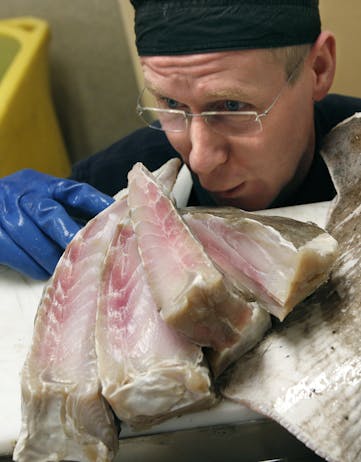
{"points": [[39, 215]]}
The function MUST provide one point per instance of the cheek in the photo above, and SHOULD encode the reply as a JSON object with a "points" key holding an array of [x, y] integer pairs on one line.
{"points": [[268, 160], [252, 153], [295, 136], [275, 157], [287, 138]]}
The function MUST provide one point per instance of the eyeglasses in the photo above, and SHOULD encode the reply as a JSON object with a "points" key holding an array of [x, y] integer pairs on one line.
{"points": [[231, 123]]}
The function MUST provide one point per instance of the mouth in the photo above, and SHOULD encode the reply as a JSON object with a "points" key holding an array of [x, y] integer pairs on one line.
{"points": [[229, 193]]}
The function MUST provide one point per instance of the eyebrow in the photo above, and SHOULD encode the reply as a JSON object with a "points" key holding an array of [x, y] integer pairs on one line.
{"points": [[229, 93]]}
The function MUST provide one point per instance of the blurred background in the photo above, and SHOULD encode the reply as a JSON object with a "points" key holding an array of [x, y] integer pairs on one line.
{"points": [[94, 73]]}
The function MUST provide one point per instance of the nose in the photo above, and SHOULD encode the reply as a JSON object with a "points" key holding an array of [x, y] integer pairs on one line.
{"points": [[208, 149]]}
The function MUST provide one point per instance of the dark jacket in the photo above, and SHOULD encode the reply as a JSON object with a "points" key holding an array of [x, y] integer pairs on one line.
{"points": [[108, 169]]}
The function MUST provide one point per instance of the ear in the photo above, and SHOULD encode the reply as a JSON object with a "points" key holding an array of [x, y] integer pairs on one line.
{"points": [[322, 59]]}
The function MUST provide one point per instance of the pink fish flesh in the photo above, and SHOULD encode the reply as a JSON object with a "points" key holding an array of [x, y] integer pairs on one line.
{"points": [[192, 295], [64, 416], [148, 371], [279, 260]]}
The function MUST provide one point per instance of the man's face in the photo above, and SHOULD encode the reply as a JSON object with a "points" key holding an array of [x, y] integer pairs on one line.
{"points": [[248, 171]]}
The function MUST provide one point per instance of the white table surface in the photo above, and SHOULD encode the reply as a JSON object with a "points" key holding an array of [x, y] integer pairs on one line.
{"points": [[19, 299]]}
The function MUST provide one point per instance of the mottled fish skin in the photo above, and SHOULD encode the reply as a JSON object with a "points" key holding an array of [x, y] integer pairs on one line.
{"points": [[279, 260], [192, 295], [148, 371], [64, 416], [306, 374]]}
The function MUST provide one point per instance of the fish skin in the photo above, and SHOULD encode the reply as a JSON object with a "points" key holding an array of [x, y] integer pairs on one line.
{"points": [[306, 374], [148, 371], [196, 300], [57, 422]]}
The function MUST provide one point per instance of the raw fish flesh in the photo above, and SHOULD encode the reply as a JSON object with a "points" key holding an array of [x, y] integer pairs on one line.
{"points": [[279, 260], [306, 374], [65, 413], [148, 371], [251, 333], [64, 416], [191, 294]]}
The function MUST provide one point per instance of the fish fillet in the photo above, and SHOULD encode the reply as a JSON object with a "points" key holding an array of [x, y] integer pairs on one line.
{"points": [[148, 371], [279, 260], [191, 294], [64, 416], [306, 374]]}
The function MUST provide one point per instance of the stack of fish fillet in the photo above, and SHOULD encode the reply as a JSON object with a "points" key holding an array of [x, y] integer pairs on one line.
{"points": [[144, 299]]}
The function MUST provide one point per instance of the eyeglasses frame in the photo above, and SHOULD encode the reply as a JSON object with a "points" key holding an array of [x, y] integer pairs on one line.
{"points": [[189, 115]]}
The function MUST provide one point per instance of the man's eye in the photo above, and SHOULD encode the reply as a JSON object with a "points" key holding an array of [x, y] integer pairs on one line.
{"points": [[231, 105], [228, 105], [172, 103], [169, 103]]}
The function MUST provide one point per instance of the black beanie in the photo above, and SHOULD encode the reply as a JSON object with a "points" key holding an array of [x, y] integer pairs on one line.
{"points": [[165, 27]]}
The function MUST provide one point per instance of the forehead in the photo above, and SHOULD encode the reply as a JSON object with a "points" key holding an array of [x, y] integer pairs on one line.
{"points": [[242, 68]]}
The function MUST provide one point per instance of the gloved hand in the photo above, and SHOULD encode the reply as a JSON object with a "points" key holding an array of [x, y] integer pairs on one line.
{"points": [[39, 215]]}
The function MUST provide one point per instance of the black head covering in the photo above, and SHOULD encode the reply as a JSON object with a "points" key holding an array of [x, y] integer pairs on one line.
{"points": [[166, 27]]}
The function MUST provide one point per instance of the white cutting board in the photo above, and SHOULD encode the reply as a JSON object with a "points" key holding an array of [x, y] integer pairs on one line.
{"points": [[20, 297]]}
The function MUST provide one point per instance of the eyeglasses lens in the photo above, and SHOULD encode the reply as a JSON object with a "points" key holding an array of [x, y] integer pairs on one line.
{"points": [[234, 124]]}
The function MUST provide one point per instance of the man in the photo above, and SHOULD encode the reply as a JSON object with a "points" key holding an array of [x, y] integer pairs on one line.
{"points": [[239, 90]]}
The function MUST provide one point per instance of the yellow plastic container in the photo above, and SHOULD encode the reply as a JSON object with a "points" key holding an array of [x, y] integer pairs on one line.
{"points": [[29, 131]]}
